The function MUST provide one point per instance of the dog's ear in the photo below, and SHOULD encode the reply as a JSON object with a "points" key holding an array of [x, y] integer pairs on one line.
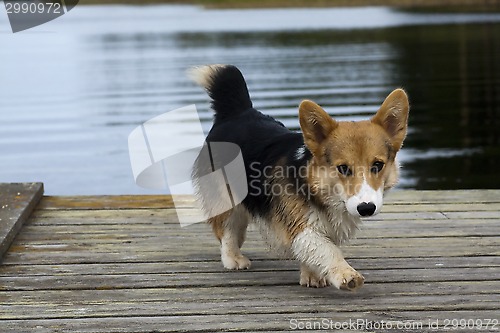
{"points": [[393, 117], [316, 125]]}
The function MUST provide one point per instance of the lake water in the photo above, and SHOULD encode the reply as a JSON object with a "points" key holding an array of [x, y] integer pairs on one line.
{"points": [[72, 90]]}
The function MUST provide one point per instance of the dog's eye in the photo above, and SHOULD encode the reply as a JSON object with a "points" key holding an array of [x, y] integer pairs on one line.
{"points": [[344, 170], [377, 167]]}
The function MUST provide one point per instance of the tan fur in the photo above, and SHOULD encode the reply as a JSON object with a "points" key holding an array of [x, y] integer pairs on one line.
{"points": [[217, 223], [288, 218], [203, 75], [393, 117], [316, 125], [356, 144], [289, 212]]}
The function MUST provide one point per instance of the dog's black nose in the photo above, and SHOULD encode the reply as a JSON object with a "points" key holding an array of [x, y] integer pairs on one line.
{"points": [[366, 208]]}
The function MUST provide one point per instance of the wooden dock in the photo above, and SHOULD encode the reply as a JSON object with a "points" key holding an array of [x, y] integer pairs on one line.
{"points": [[124, 264]]}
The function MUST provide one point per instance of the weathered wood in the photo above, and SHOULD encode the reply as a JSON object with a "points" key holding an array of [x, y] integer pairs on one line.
{"points": [[117, 233], [131, 253], [123, 264], [259, 305], [451, 196], [213, 266], [224, 293], [170, 216], [142, 250], [114, 202], [17, 201], [240, 321], [165, 201], [172, 246], [231, 279]]}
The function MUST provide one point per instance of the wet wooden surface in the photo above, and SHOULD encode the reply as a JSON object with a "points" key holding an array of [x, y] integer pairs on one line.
{"points": [[17, 201], [123, 264]]}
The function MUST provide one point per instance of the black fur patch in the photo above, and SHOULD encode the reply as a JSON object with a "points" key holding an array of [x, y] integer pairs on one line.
{"points": [[265, 143]]}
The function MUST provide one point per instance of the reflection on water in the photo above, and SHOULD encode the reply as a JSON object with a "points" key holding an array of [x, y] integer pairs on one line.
{"points": [[66, 123]]}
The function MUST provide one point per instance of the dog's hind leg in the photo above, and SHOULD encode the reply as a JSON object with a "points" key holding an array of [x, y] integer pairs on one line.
{"points": [[230, 228]]}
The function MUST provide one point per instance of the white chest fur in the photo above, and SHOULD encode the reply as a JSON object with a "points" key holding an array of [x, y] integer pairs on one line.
{"points": [[335, 223]]}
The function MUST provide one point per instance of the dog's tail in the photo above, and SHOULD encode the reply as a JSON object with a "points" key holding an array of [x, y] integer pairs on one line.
{"points": [[226, 87]]}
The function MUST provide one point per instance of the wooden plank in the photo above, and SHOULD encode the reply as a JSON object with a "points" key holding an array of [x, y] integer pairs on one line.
{"points": [[440, 207], [170, 216], [260, 305], [449, 196], [129, 255], [226, 294], [215, 265], [247, 322], [231, 279], [17, 201], [113, 202], [477, 214], [186, 242], [41, 234], [165, 201]]}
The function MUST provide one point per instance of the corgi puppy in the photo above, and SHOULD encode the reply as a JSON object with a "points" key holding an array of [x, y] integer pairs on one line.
{"points": [[307, 191]]}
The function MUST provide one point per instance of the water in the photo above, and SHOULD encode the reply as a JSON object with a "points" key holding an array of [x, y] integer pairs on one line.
{"points": [[72, 90]]}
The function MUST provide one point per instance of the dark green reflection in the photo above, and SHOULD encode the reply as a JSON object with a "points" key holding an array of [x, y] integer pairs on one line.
{"points": [[453, 76]]}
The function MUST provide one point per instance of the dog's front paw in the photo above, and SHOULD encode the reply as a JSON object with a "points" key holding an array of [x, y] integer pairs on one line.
{"points": [[309, 278], [346, 278], [235, 262]]}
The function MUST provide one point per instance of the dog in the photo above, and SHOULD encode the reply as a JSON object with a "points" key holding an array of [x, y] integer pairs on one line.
{"points": [[307, 191]]}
